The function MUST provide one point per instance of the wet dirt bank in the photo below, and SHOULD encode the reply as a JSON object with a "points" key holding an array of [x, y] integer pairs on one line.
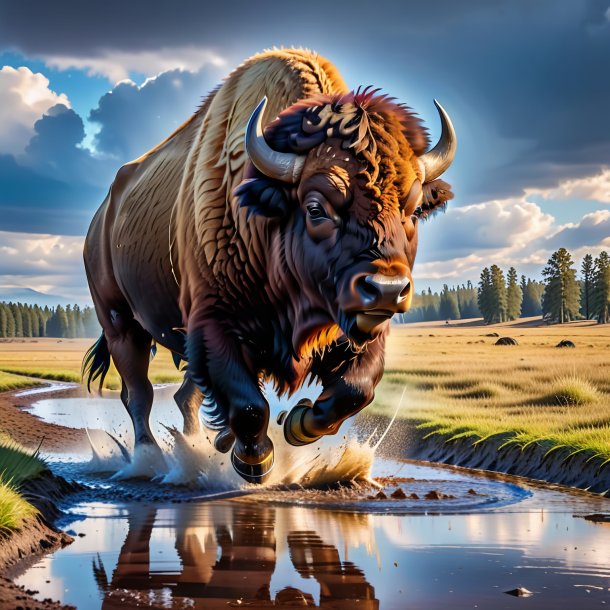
{"points": [[561, 466], [26, 545]]}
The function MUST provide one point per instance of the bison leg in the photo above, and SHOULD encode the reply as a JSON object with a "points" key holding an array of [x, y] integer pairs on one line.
{"points": [[216, 361], [348, 388], [189, 398], [130, 351]]}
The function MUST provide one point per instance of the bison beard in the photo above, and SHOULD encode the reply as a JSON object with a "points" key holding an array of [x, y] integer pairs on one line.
{"points": [[265, 250]]}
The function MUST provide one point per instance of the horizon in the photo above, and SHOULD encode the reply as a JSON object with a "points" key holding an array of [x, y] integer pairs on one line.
{"points": [[80, 97]]}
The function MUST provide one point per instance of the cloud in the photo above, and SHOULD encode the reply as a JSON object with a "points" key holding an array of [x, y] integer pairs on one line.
{"points": [[55, 184], [594, 188], [24, 97], [133, 119], [116, 65], [38, 203], [593, 230], [51, 263], [510, 232], [495, 225]]}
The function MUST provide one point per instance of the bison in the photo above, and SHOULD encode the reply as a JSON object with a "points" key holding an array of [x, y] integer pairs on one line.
{"points": [[272, 236]]}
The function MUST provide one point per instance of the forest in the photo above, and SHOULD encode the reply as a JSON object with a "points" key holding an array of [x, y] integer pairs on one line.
{"points": [[562, 296]]}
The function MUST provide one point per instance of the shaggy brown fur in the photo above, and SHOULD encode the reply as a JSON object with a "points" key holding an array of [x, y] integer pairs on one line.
{"points": [[229, 268]]}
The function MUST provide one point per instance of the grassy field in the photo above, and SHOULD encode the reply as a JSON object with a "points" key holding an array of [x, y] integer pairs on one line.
{"points": [[61, 360], [458, 383]]}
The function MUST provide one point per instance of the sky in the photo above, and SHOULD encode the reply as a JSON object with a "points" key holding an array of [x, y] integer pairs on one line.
{"points": [[88, 86]]}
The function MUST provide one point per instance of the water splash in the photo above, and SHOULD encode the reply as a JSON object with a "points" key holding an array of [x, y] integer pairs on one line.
{"points": [[194, 462]]}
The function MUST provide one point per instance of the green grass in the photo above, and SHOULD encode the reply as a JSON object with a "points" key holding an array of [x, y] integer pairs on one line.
{"points": [[14, 510], [457, 387], [9, 381], [16, 466], [573, 390], [62, 360], [53, 374]]}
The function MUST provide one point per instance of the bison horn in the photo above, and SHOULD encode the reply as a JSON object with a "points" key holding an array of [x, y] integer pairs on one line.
{"points": [[437, 160], [286, 167]]}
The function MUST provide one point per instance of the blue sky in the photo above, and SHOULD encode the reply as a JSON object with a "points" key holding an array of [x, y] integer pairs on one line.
{"points": [[85, 87]]}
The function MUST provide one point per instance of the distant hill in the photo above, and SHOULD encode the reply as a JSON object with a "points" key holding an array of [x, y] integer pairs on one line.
{"points": [[16, 294]]}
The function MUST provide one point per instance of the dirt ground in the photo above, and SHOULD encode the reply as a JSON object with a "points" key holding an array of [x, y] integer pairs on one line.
{"points": [[30, 431]]}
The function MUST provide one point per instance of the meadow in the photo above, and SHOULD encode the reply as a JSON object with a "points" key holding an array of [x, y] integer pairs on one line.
{"points": [[61, 360], [456, 382]]}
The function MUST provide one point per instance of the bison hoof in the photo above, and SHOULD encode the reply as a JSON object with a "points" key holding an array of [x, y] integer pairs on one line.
{"points": [[294, 433], [224, 440], [254, 471]]}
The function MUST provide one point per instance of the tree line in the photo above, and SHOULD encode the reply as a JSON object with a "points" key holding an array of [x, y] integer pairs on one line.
{"points": [[23, 320], [562, 296]]}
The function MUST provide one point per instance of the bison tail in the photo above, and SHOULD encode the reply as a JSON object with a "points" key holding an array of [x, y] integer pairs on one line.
{"points": [[96, 362]]}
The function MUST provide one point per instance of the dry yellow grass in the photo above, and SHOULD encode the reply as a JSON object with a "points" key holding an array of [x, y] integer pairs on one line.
{"points": [[460, 384], [62, 359]]}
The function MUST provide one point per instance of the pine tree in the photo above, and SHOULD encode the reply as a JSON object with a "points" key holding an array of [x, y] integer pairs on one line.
{"points": [[532, 298], [18, 321], [600, 298], [10, 322], [448, 306], [3, 320], [484, 296], [514, 295], [498, 294], [26, 320], [561, 298], [586, 293]]}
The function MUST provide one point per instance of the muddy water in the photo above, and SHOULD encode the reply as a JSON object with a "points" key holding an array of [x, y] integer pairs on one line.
{"points": [[215, 543]]}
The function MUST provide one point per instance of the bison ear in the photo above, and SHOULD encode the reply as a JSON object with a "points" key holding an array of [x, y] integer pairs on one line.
{"points": [[263, 196]]}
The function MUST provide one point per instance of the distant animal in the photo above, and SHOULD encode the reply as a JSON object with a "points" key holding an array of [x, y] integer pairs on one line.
{"points": [[506, 341], [272, 236], [565, 343]]}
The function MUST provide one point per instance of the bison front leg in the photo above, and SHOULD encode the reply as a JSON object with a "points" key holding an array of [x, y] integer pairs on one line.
{"points": [[216, 362], [349, 385]]}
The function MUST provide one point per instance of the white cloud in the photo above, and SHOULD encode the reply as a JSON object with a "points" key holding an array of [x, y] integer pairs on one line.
{"points": [[24, 97], [506, 224], [594, 188], [48, 263], [116, 65], [511, 232]]}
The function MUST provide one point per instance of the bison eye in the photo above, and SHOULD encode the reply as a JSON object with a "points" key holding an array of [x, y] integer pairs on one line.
{"points": [[316, 210]]}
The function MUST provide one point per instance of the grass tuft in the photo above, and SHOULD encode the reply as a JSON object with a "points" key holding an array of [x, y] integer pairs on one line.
{"points": [[14, 510], [573, 390]]}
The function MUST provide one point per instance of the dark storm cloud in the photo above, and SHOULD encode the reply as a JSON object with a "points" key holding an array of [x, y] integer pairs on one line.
{"points": [[56, 185], [133, 119], [37, 203], [526, 82]]}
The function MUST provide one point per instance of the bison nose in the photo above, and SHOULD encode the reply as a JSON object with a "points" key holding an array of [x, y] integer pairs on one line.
{"points": [[390, 291], [381, 291]]}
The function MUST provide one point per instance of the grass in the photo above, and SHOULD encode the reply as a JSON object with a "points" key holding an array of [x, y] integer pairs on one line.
{"points": [[60, 360], [14, 510], [9, 381], [459, 384], [16, 466]]}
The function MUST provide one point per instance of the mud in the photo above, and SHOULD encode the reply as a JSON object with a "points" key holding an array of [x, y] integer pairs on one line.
{"points": [[534, 462]]}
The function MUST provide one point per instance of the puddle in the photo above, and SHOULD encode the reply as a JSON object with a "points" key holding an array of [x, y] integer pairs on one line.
{"points": [[215, 542], [226, 554], [54, 386]]}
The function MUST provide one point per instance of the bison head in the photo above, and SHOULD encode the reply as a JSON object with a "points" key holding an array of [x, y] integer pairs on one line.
{"points": [[346, 179]]}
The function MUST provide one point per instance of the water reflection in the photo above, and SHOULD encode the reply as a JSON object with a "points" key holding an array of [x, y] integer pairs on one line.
{"points": [[227, 555]]}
